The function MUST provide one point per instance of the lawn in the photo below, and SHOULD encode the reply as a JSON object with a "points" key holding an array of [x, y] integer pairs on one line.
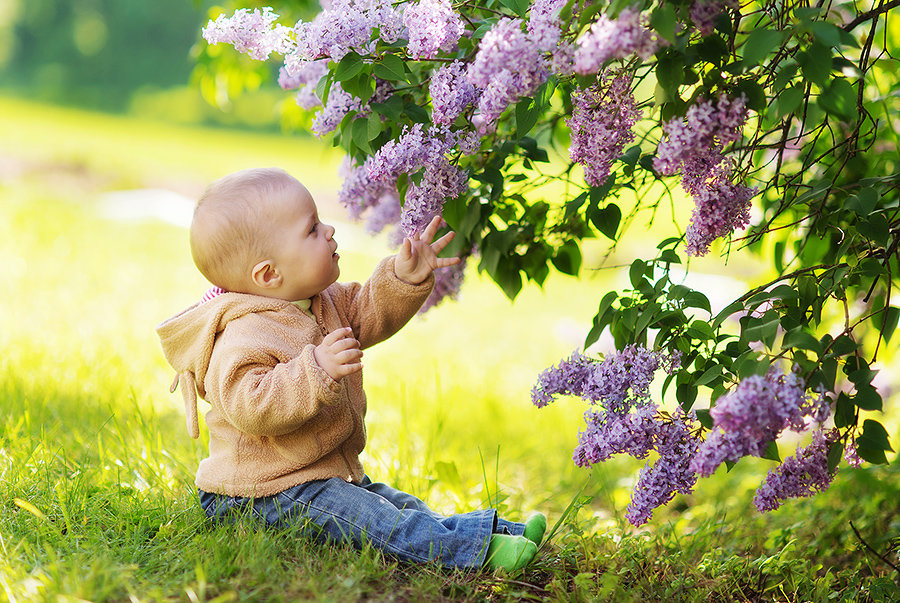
{"points": [[97, 468]]}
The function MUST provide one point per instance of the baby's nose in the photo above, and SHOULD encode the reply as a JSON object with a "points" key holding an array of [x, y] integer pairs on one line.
{"points": [[330, 230]]}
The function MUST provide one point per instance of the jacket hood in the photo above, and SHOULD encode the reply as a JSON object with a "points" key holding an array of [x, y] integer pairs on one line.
{"points": [[188, 337]]}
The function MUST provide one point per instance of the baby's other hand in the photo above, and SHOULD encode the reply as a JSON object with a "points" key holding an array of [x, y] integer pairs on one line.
{"points": [[339, 354], [418, 256]]}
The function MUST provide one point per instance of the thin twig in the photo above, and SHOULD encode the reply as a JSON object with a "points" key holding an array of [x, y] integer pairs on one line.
{"points": [[868, 546]]}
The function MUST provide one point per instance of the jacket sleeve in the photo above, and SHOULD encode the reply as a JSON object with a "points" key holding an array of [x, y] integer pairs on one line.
{"points": [[383, 304], [261, 396]]}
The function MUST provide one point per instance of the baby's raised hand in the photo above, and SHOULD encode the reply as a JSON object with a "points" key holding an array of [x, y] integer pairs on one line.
{"points": [[339, 354], [418, 256]]}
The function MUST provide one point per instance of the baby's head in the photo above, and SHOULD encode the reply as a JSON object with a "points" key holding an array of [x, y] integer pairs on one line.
{"points": [[258, 231]]}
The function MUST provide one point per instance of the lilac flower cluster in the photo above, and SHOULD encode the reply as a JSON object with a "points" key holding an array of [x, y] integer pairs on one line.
{"points": [[253, 32], [433, 26], [544, 26], [803, 474], [694, 146], [347, 25], [359, 192], [508, 66], [720, 208], [658, 483], [601, 122], [339, 104], [608, 39], [628, 423], [304, 80], [608, 434], [705, 12], [620, 381], [451, 92], [447, 283], [753, 415]]}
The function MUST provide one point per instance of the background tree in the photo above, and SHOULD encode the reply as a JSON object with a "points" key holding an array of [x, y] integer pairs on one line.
{"points": [[532, 127]]}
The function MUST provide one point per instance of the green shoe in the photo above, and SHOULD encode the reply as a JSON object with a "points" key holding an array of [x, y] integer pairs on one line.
{"points": [[509, 552], [535, 526]]}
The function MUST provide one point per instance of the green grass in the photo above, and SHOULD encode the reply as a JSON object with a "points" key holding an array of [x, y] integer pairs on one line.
{"points": [[96, 466]]}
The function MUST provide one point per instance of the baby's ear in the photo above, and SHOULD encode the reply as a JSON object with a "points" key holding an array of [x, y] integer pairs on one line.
{"points": [[265, 275]]}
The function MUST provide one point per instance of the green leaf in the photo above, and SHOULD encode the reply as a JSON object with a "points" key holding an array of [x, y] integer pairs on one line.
{"points": [[868, 398], [875, 228], [527, 114], [798, 338], [416, 113], [889, 322], [636, 273], [508, 277], [568, 258], [350, 66], [835, 452], [670, 73], [391, 67], [771, 453], [839, 99], [828, 34], [359, 133], [607, 219], [519, 7], [789, 100], [696, 299], [756, 96], [709, 375], [760, 43], [844, 413], [686, 394], [875, 434], [662, 19], [815, 64], [863, 202], [392, 108]]}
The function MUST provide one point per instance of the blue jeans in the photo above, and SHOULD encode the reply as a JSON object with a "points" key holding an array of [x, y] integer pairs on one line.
{"points": [[396, 522]]}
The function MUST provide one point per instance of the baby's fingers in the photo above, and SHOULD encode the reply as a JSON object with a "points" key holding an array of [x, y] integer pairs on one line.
{"points": [[337, 335], [342, 370], [350, 356]]}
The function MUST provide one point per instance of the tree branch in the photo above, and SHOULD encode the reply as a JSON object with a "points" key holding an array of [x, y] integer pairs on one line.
{"points": [[869, 15]]}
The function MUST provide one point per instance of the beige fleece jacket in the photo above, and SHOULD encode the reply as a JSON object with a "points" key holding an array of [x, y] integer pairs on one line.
{"points": [[276, 418]]}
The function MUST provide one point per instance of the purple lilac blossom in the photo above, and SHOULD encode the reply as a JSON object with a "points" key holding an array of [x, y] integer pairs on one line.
{"points": [[720, 208], [851, 453], [359, 192], [754, 414], [440, 181], [613, 39], [658, 483], [804, 474], [385, 212], [621, 381], [705, 12], [414, 149], [451, 92], [304, 80], [601, 122], [254, 33], [544, 25], [507, 67], [694, 144], [433, 26], [339, 104], [607, 434], [447, 284], [346, 25]]}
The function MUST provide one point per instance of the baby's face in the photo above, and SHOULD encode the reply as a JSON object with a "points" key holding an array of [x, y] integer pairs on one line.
{"points": [[303, 248]]}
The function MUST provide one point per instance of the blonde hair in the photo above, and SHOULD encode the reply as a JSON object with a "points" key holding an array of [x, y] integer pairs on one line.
{"points": [[226, 233]]}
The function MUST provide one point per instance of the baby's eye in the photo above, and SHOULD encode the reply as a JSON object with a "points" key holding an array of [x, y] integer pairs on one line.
{"points": [[314, 227]]}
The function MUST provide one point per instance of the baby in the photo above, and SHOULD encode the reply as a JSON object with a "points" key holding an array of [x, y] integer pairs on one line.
{"points": [[275, 348]]}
